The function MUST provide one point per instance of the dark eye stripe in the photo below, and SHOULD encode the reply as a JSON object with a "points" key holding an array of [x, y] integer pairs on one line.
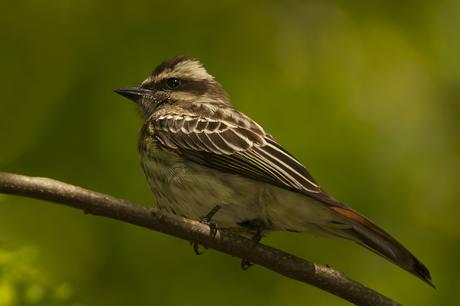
{"points": [[150, 85], [197, 87]]}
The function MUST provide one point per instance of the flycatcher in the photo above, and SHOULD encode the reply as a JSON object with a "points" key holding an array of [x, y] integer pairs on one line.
{"points": [[207, 161]]}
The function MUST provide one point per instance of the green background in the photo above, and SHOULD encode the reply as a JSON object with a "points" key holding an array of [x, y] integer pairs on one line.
{"points": [[365, 93]]}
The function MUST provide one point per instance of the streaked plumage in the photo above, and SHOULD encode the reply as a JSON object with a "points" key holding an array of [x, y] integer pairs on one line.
{"points": [[198, 151]]}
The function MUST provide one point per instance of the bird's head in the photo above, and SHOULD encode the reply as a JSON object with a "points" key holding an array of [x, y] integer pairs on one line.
{"points": [[179, 80]]}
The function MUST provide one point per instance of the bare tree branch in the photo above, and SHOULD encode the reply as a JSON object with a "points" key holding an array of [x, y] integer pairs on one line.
{"points": [[100, 204]]}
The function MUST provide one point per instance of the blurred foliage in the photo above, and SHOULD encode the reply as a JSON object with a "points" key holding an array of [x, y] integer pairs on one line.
{"points": [[365, 93], [22, 283]]}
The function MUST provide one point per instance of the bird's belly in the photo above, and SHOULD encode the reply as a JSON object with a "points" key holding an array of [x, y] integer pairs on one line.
{"points": [[191, 190]]}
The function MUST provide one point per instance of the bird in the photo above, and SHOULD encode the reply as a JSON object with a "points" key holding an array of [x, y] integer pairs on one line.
{"points": [[205, 160]]}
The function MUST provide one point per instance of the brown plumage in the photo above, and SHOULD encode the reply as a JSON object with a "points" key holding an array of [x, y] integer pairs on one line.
{"points": [[198, 151]]}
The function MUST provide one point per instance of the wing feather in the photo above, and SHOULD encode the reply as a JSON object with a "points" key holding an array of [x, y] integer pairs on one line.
{"points": [[235, 141], [230, 141]]}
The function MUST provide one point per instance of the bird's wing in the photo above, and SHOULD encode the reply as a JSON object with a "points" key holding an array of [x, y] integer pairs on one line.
{"points": [[230, 141]]}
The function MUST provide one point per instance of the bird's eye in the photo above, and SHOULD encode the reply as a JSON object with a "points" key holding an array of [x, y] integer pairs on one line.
{"points": [[172, 83]]}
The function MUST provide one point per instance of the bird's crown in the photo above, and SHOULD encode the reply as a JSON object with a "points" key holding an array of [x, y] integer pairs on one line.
{"points": [[180, 67]]}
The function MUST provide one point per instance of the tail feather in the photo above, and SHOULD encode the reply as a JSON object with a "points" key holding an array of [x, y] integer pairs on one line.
{"points": [[369, 235]]}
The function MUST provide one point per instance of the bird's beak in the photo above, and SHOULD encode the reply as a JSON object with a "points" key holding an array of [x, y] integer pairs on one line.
{"points": [[132, 93]]}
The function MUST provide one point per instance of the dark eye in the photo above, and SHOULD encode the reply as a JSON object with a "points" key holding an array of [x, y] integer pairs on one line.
{"points": [[172, 83]]}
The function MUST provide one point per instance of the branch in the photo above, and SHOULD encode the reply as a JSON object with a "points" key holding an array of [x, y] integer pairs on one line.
{"points": [[100, 204]]}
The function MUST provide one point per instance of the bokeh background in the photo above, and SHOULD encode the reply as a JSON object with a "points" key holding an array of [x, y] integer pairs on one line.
{"points": [[365, 93]]}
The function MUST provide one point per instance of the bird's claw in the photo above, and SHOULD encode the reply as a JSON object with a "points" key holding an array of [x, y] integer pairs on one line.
{"points": [[246, 264], [212, 229], [196, 247]]}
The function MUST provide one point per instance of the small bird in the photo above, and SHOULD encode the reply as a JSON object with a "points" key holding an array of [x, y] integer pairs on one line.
{"points": [[205, 160]]}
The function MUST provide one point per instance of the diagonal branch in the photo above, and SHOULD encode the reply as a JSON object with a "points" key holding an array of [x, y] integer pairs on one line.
{"points": [[100, 204]]}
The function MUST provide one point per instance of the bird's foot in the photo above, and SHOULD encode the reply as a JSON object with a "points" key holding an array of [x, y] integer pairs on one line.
{"points": [[212, 229], [196, 247], [245, 263]]}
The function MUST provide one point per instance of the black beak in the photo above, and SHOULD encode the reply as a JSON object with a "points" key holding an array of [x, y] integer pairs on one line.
{"points": [[132, 93]]}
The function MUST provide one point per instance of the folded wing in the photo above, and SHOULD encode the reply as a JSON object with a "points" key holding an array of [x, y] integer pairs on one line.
{"points": [[232, 142]]}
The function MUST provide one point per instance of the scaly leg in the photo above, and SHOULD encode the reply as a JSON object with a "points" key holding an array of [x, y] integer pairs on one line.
{"points": [[212, 228], [246, 264]]}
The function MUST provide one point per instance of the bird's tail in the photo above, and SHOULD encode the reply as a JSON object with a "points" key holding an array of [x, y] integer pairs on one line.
{"points": [[377, 240]]}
